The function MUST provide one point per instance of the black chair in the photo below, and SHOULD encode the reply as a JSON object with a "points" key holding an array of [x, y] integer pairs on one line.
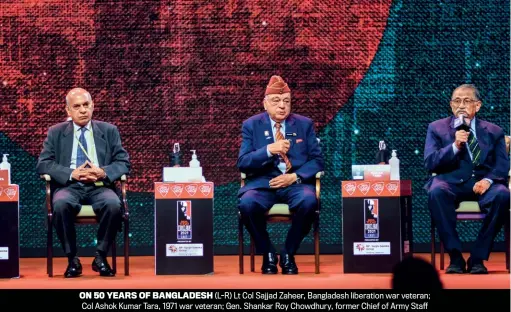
{"points": [[87, 216], [280, 213]]}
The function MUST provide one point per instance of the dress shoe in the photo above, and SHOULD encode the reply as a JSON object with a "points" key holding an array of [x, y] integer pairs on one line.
{"points": [[269, 263], [457, 266], [74, 268], [476, 267], [288, 265], [99, 264]]}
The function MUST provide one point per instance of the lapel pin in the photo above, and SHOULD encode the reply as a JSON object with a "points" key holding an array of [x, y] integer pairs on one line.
{"points": [[266, 133]]}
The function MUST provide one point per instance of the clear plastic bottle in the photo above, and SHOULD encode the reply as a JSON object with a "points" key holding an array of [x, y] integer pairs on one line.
{"points": [[194, 163], [394, 166], [6, 165]]}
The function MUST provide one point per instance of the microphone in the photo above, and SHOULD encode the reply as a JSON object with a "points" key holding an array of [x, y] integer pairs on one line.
{"points": [[461, 124]]}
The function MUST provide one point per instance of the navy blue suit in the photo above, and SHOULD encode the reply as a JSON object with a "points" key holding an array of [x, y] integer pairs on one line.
{"points": [[455, 179], [256, 197]]}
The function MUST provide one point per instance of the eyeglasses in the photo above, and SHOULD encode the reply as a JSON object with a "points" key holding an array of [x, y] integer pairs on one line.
{"points": [[457, 101]]}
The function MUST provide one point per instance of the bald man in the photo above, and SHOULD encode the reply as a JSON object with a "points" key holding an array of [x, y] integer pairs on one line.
{"points": [[84, 157]]}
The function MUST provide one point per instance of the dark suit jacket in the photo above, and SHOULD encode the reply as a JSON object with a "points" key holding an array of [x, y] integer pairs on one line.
{"points": [[439, 156], [55, 157], [304, 154]]}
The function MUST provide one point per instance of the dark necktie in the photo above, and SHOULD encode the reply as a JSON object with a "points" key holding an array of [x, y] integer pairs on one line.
{"points": [[80, 155], [278, 137], [474, 148]]}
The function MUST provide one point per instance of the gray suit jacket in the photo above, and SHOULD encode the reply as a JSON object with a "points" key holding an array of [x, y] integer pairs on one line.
{"points": [[55, 158]]}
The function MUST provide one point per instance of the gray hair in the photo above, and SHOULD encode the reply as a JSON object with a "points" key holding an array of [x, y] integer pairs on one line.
{"points": [[470, 86]]}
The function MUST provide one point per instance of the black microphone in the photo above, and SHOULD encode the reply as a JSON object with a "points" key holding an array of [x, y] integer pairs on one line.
{"points": [[461, 124]]}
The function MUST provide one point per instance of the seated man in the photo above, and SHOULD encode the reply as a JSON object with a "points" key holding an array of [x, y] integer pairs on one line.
{"points": [[84, 157], [470, 164], [281, 156]]}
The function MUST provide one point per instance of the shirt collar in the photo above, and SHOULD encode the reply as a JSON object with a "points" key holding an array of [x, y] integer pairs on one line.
{"points": [[473, 124], [282, 124], [87, 126]]}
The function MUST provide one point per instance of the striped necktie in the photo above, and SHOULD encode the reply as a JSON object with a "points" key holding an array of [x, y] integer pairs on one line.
{"points": [[474, 148], [278, 137]]}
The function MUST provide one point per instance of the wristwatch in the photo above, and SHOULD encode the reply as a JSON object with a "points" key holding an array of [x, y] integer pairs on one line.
{"points": [[298, 180]]}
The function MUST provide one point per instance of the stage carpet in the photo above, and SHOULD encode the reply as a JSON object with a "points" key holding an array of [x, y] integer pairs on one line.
{"points": [[226, 276]]}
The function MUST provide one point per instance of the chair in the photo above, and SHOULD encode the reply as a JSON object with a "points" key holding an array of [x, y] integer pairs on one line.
{"points": [[470, 210], [280, 213], [87, 216]]}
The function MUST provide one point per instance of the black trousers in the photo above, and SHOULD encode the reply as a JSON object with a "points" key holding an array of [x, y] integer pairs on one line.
{"points": [[67, 202], [444, 199]]}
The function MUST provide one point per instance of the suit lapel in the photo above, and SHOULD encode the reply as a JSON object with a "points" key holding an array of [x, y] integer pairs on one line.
{"points": [[99, 143], [66, 149], [452, 130], [267, 130], [482, 140]]}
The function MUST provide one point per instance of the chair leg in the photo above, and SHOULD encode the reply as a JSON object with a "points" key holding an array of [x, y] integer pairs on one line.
{"points": [[441, 256], [252, 252], [114, 256], [240, 244], [49, 248], [316, 243], [433, 258], [126, 248]]}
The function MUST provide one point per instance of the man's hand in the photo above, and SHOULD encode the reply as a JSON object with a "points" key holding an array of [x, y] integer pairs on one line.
{"points": [[481, 187], [283, 180], [79, 172], [278, 147], [461, 138], [88, 173], [99, 173]]}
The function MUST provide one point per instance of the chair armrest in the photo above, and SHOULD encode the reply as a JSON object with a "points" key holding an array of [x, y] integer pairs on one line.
{"points": [[320, 174], [243, 176], [45, 177], [123, 178]]}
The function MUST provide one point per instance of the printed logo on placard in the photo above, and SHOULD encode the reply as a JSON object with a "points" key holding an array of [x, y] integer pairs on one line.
{"points": [[184, 219], [177, 189], [378, 187], [205, 189], [350, 188], [371, 218], [172, 248], [191, 189], [392, 187], [163, 189], [364, 187], [360, 247], [10, 192]]}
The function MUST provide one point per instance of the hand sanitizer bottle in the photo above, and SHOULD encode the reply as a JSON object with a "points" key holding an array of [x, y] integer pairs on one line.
{"points": [[5, 165], [394, 166], [194, 162]]}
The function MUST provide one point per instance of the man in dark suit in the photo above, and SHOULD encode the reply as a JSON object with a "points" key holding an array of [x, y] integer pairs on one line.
{"points": [[470, 164], [280, 155], [84, 157]]}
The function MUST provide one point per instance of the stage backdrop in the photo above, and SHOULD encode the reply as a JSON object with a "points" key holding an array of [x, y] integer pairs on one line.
{"points": [[191, 71]]}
